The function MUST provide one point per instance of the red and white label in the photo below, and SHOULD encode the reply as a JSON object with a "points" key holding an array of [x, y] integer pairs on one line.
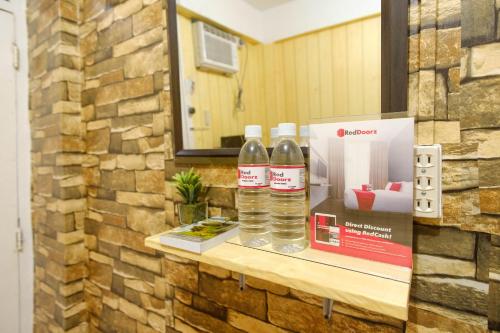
{"points": [[288, 178], [253, 176]]}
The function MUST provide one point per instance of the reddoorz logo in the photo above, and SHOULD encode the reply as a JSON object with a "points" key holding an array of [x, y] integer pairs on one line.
{"points": [[343, 132]]}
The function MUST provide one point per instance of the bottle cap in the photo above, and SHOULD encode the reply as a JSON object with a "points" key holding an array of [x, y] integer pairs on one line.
{"points": [[274, 132], [253, 131], [304, 131], [287, 129]]}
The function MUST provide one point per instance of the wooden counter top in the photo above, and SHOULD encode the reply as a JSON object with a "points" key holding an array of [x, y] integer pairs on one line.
{"points": [[374, 286]]}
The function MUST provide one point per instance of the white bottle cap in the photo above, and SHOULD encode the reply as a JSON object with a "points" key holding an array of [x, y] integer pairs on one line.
{"points": [[274, 132], [287, 129], [253, 131], [304, 131]]}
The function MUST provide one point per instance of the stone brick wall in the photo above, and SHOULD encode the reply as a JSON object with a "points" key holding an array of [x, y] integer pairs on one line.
{"points": [[454, 93], [102, 163], [58, 189], [123, 102]]}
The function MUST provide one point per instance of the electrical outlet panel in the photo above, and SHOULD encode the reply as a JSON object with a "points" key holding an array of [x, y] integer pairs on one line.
{"points": [[427, 182]]}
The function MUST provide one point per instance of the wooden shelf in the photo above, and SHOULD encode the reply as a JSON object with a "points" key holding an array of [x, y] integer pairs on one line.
{"points": [[370, 285]]}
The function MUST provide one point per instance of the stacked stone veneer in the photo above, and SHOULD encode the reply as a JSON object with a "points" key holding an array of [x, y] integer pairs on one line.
{"points": [[123, 101], [102, 163], [454, 93], [58, 150]]}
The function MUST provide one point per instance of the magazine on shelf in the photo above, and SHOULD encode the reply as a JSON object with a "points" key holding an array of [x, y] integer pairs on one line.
{"points": [[201, 236]]}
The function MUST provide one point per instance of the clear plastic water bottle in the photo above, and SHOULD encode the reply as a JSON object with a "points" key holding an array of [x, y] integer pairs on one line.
{"points": [[274, 136], [304, 136], [253, 190], [287, 193]]}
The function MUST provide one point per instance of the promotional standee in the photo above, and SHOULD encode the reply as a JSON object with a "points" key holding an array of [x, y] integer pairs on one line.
{"points": [[361, 177]]}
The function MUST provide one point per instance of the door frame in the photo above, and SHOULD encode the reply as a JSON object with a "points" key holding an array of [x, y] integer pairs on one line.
{"points": [[26, 265]]}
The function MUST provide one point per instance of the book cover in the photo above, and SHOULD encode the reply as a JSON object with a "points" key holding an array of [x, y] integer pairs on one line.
{"points": [[201, 236]]}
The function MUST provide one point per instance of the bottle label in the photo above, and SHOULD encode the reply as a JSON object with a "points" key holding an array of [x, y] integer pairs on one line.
{"points": [[253, 176], [288, 178]]}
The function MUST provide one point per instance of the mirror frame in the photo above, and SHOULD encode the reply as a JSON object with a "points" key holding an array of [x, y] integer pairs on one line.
{"points": [[394, 70]]}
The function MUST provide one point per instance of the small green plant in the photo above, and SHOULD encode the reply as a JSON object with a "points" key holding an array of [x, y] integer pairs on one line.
{"points": [[189, 185]]}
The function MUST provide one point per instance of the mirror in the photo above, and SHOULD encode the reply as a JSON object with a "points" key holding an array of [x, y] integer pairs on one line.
{"points": [[242, 62]]}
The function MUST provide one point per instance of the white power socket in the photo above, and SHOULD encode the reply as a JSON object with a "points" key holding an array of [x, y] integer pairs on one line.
{"points": [[427, 182]]}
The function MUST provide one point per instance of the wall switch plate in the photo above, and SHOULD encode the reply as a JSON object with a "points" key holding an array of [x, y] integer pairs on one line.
{"points": [[427, 182]]}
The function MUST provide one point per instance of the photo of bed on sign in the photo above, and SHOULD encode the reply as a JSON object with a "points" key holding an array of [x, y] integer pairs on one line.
{"points": [[361, 183]]}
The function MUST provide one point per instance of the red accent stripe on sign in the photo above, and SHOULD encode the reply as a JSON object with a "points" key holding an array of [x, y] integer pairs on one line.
{"points": [[364, 246]]}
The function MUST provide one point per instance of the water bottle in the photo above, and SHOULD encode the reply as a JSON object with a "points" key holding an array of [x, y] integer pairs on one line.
{"points": [[274, 136], [253, 190], [287, 193], [304, 136]]}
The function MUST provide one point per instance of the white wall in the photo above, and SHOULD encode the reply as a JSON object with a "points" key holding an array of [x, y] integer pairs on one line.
{"points": [[283, 21], [301, 16], [236, 15], [18, 7]]}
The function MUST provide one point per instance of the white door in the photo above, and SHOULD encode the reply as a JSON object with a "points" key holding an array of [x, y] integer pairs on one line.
{"points": [[9, 264]]}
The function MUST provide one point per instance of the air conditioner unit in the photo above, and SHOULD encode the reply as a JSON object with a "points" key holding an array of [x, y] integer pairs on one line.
{"points": [[215, 49]]}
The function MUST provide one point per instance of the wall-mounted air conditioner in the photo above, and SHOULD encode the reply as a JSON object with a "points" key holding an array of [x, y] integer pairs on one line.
{"points": [[215, 49]]}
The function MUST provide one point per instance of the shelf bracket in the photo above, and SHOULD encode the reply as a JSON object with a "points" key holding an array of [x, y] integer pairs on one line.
{"points": [[327, 308], [242, 281]]}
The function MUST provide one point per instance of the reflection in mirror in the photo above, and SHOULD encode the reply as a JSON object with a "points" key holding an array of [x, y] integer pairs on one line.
{"points": [[265, 62]]}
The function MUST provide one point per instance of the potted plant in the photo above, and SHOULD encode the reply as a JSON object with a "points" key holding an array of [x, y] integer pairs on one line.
{"points": [[189, 186]]}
